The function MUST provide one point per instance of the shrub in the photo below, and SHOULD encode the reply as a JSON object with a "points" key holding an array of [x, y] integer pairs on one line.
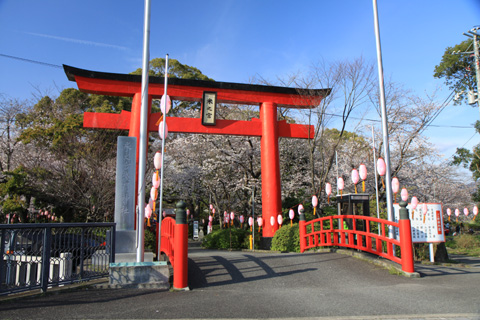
{"points": [[150, 239], [230, 238], [467, 241], [421, 251], [287, 239], [246, 241]]}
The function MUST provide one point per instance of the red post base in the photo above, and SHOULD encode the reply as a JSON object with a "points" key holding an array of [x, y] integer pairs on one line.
{"points": [[180, 267], [406, 244]]}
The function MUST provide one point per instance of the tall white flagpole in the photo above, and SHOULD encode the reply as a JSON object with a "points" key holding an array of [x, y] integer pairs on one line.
{"points": [[376, 179], [386, 150], [142, 157]]}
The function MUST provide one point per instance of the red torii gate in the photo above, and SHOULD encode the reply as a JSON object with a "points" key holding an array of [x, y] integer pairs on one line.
{"points": [[267, 127]]}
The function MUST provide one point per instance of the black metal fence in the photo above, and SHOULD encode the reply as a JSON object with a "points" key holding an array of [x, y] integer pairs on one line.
{"points": [[38, 256]]}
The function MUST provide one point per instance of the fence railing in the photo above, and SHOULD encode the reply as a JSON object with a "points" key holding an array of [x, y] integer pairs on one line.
{"points": [[361, 233], [75, 252]]}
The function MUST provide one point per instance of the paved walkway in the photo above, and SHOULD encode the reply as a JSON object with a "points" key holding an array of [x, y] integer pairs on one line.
{"points": [[258, 285]]}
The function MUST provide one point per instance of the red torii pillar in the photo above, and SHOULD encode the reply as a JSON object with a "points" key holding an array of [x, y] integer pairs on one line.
{"points": [[269, 98]]}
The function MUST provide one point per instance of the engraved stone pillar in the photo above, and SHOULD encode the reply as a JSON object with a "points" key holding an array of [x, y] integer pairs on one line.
{"points": [[125, 195]]}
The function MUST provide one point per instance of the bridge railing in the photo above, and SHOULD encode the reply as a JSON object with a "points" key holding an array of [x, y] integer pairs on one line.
{"points": [[357, 232], [174, 243], [167, 238]]}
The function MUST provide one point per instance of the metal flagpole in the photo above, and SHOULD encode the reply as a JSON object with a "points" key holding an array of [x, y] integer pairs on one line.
{"points": [[143, 135], [376, 179], [336, 166], [388, 179], [253, 216], [160, 205]]}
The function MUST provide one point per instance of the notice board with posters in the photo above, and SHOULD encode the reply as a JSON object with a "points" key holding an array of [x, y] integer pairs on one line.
{"points": [[428, 230]]}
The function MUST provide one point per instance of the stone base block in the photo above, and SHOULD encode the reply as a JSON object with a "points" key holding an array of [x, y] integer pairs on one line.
{"points": [[139, 275], [266, 243], [125, 241], [132, 257]]}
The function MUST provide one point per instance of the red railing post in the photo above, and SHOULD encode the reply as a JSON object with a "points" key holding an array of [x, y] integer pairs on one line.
{"points": [[303, 231], [180, 268], [405, 231]]}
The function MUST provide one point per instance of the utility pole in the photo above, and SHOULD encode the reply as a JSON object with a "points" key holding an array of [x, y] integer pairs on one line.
{"points": [[473, 33]]}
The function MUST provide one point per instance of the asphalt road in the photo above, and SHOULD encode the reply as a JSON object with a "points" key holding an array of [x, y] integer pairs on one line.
{"points": [[255, 285]]}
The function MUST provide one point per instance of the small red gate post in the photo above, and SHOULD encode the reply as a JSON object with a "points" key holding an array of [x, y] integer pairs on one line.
{"points": [[405, 231], [180, 267], [302, 230]]}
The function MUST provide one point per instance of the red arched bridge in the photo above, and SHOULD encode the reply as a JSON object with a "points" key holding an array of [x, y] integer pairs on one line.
{"points": [[363, 233]]}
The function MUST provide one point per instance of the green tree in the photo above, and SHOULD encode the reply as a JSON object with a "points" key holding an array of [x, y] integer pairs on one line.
{"points": [[457, 69], [175, 70], [71, 168], [15, 194], [470, 159]]}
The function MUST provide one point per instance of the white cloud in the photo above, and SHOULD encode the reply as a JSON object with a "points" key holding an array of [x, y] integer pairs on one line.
{"points": [[86, 42]]}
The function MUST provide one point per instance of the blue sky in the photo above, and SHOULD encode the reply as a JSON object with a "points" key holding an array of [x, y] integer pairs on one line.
{"points": [[233, 41]]}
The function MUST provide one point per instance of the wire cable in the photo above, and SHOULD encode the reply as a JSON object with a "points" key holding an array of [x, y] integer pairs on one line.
{"points": [[31, 61]]}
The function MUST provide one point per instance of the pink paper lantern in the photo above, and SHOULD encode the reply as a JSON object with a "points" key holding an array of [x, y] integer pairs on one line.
{"points": [[457, 212], [272, 220], [340, 183], [449, 212], [328, 189], [250, 221], [153, 193], [475, 210], [161, 130], [395, 185], [414, 202], [362, 171], [465, 212], [148, 211], [300, 208], [404, 194], [291, 214], [314, 201], [225, 213], [165, 104], [213, 210], [211, 206], [155, 181], [381, 167], [210, 218], [157, 160], [232, 215], [242, 219], [355, 176], [424, 208], [279, 219], [259, 221]]}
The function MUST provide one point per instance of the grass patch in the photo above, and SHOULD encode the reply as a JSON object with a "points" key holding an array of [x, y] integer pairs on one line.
{"points": [[464, 244], [395, 271]]}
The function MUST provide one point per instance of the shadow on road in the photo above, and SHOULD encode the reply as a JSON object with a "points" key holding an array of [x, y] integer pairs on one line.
{"points": [[217, 270]]}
